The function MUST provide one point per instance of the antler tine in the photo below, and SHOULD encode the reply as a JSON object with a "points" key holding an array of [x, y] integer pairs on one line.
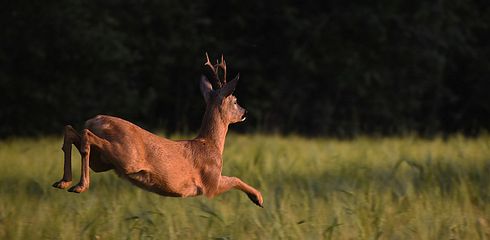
{"points": [[208, 63], [222, 65], [215, 78], [207, 59]]}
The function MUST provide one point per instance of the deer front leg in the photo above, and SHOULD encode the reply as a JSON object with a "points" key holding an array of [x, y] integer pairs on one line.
{"points": [[88, 139], [70, 137], [227, 183]]}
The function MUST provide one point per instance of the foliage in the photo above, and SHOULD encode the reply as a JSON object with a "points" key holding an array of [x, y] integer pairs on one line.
{"points": [[365, 188], [336, 68]]}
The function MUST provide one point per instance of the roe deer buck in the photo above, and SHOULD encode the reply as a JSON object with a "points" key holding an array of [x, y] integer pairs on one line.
{"points": [[170, 168]]}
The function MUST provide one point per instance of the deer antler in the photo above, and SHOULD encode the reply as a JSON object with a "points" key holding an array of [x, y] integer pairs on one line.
{"points": [[214, 73], [223, 66], [216, 81]]}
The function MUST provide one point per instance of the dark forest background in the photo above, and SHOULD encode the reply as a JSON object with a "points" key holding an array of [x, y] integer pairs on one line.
{"points": [[335, 68]]}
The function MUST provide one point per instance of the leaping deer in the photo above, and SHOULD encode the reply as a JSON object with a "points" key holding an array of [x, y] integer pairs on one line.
{"points": [[184, 168]]}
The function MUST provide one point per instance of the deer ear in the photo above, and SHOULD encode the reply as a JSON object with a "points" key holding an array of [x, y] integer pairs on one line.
{"points": [[229, 87], [206, 88]]}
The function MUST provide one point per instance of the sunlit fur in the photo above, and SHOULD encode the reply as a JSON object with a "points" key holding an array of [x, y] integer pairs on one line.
{"points": [[170, 168]]}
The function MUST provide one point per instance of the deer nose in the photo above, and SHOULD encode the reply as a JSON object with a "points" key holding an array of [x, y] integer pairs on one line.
{"points": [[244, 116]]}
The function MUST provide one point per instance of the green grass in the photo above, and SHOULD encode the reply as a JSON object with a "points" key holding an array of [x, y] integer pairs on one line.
{"points": [[366, 188]]}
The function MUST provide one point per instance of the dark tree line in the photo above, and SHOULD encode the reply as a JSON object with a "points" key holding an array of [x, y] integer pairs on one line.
{"points": [[312, 67]]}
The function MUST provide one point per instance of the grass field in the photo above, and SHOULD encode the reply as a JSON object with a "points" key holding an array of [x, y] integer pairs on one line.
{"points": [[366, 188]]}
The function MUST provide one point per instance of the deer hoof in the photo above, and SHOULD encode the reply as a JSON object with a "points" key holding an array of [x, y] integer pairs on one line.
{"points": [[77, 188], [257, 199], [61, 184]]}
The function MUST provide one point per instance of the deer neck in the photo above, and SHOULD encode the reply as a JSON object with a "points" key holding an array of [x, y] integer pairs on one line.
{"points": [[213, 129]]}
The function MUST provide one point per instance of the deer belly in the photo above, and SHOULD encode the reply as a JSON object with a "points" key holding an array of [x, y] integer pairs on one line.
{"points": [[163, 186]]}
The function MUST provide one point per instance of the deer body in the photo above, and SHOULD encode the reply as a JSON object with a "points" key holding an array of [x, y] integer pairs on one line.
{"points": [[170, 168]]}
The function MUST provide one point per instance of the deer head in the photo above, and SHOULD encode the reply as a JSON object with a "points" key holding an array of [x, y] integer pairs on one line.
{"points": [[218, 94]]}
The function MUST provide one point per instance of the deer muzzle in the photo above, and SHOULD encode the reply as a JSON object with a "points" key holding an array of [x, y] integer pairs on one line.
{"points": [[244, 116]]}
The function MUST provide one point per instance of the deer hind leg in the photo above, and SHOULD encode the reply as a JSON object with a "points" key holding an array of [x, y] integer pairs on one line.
{"points": [[70, 137], [88, 139], [227, 183]]}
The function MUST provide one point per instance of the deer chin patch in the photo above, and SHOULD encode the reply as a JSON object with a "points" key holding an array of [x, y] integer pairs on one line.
{"points": [[243, 118]]}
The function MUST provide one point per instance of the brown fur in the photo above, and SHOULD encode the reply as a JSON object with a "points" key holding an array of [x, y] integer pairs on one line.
{"points": [[169, 168]]}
